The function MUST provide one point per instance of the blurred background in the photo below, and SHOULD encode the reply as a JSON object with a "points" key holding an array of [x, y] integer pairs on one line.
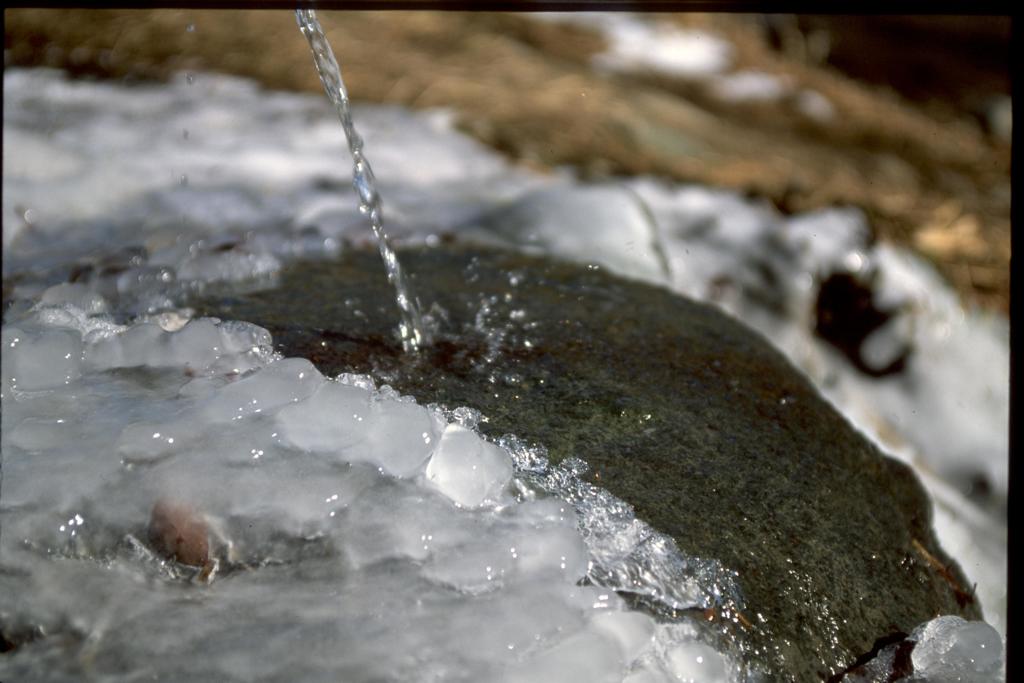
{"points": [[906, 117]]}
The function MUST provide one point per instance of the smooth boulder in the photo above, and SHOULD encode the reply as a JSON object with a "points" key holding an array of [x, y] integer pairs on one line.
{"points": [[679, 409]]}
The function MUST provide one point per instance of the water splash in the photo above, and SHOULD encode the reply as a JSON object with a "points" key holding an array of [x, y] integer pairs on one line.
{"points": [[413, 326]]}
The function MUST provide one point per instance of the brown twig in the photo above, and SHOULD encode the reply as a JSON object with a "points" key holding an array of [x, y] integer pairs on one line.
{"points": [[963, 598]]}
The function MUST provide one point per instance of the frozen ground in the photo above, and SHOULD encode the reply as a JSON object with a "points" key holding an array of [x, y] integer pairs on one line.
{"points": [[138, 193]]}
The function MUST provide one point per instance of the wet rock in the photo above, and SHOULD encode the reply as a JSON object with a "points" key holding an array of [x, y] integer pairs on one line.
{"points": [[178, 532], [680, 410]]}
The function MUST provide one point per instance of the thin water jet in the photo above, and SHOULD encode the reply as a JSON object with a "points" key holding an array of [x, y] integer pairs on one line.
{"points": [[413, 327]]}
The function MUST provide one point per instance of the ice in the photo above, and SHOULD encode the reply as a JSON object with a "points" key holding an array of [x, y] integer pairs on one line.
{"points": [[76, 294], [642, 676], [697, 663], [283, 382], [626, 554], [197, 347], [631, 631], [131, 348], [93, 328], [343, 421], [380, 525], [40, 359], [555, 550], [529, 546], [36, 434], [467, 469], [334, 418], [581, 658], [950, 649], [401, 436], [146, 441]]}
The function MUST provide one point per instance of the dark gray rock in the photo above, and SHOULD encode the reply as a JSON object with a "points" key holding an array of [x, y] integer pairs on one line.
{"points": [[680, 410]]}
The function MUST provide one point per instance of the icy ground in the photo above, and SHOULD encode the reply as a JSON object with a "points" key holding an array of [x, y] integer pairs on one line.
{"points": [[111, 402]]}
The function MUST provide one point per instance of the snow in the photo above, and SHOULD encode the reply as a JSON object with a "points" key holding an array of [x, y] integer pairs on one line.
{"points": [[620, 232], [751, 86], [637, 42]]}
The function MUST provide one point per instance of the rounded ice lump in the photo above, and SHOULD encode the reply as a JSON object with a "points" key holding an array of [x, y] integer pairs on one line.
{"points": [[467, 469], [346, 422]]}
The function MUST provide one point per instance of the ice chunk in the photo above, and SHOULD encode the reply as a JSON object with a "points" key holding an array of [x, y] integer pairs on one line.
{"points": [[498, 556], [334, 418], [198, 345], [40, 359], [93, 328], [286, 381], [584, 657], [384, 523], [551, 550], [532, 544], [131, 347], [77, 294], [343, 420], [402, 437], [467, 469], [146, 441], [694, 662], [631, 631], [642, 676], [36, 433], [950, 649]]}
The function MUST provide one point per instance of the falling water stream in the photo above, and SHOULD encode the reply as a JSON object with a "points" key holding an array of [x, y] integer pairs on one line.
{"points": [[413, 326]]}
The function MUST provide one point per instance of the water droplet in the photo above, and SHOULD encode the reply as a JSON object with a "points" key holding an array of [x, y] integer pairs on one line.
{"points": [[190, 78], [183, 180], [364, 183], [191, 28]]}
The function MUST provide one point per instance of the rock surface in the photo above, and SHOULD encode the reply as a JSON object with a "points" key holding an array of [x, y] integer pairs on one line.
{"points": [[678, 409], [179, 533]]}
